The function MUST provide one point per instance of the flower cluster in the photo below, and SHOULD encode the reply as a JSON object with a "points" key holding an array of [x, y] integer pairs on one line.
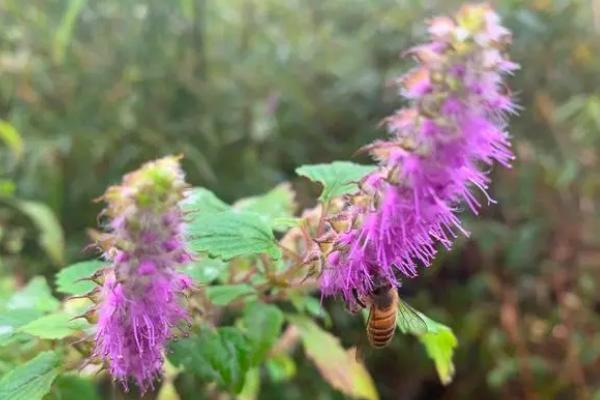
{"points": [[439, 149], [140, 302]]}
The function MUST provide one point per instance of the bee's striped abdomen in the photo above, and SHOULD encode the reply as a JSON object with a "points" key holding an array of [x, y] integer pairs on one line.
{"points": [[381, 325]]}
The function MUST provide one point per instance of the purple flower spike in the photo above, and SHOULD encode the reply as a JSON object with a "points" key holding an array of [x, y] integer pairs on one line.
{"points": [[440, 149], [141, 296]]}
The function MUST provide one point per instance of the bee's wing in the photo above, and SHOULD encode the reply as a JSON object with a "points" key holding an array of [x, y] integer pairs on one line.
{"points": [[409, 320]]}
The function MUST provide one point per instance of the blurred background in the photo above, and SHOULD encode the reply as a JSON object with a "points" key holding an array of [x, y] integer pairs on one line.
{"points": [[247, 90]]}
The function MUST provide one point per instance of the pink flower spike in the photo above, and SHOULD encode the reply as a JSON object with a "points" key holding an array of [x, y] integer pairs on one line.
{"points": [[141, 296], [439, 150]]}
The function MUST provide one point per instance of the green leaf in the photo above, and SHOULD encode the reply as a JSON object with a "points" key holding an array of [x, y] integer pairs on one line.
{"points": [[73, 387], [275, 207], [438, 339], [36, 295], [68, 277], [337, 178], [281, 224], [12, 138], [32, 380], [222, 295], [251, 385], [205, 270], [309, 305], [225, 355], [55, 326], [167, 388], [262, 323], [51, 234], [63, 34], [167, 391], [203, 200], [281, 367], [7, 188], [229, 234], [214, 355], [440, 347], [238, 350], [12, 320], [198, 353], [337, 366]]}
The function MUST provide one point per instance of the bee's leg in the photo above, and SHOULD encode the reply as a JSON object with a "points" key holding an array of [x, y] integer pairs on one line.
{"points": [[355, 304], [352, 307], [358, 299]]}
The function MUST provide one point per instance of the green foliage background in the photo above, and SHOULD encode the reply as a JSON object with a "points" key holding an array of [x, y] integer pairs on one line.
{"points": [[248, 90]]}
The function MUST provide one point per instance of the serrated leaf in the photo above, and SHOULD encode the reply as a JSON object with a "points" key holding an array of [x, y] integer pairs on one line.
{"points": [[54, 326], [225, 355], [68, 277], [440, 344], [12, 320], [262, 323], [73, 387], [233, 233], [205, 270], [337, 366], [198, 353], [239, 352], [51, 237], [32, 380], [275, 207], [36, 295], [203, 200], [438, 339], [222, 295], [337, 177], [219, 355]]}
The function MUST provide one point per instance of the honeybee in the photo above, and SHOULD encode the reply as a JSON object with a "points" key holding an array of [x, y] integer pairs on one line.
{"points": [[386, 310]]}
